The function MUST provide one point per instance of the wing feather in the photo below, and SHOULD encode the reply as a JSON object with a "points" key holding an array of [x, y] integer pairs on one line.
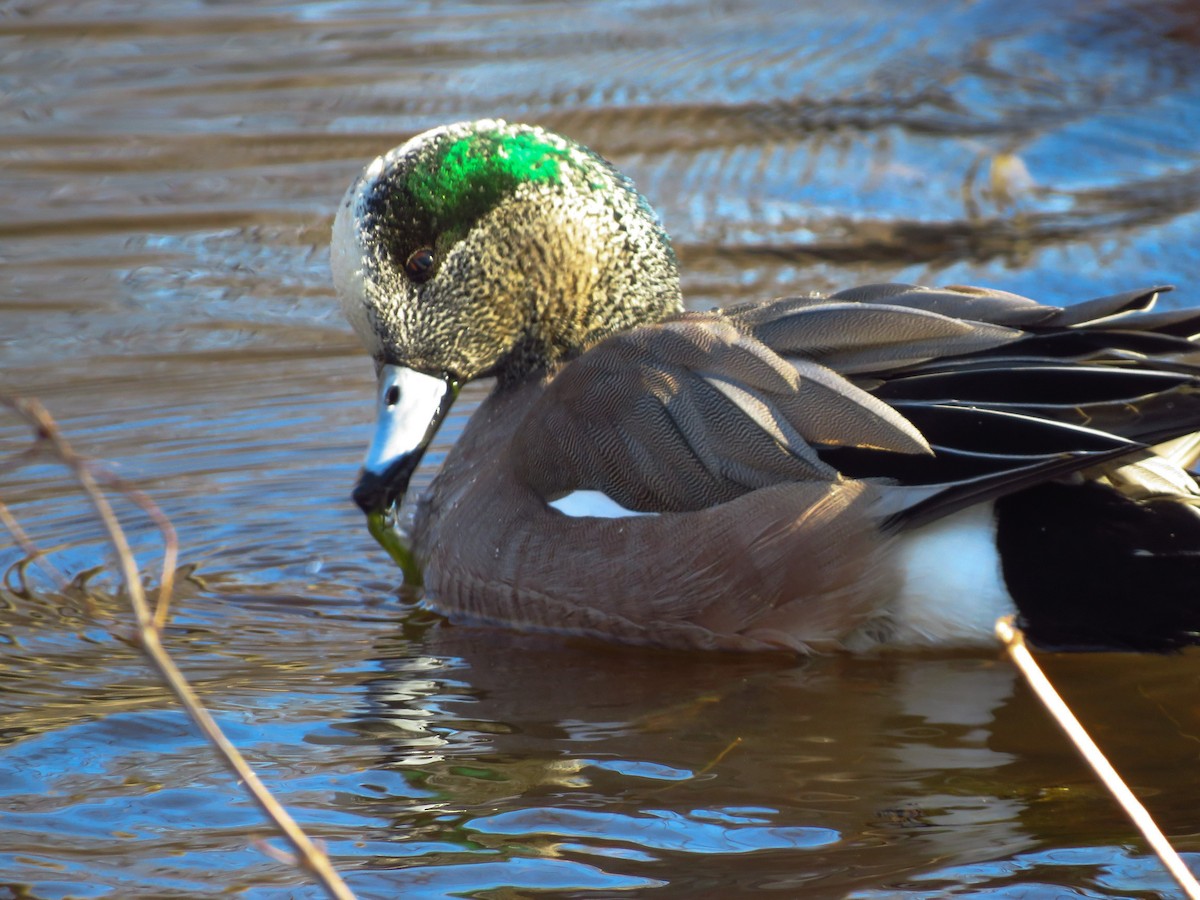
{"points": [[946, 396]]}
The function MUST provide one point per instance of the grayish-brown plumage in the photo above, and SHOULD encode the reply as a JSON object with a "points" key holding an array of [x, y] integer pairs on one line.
{"points": [[767, 473]]}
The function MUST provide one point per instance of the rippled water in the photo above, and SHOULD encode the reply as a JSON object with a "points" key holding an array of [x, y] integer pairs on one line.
{"points": [[168, 175]]}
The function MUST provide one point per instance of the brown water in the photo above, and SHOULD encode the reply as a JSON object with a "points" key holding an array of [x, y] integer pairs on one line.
{"points": [[168, 174]]}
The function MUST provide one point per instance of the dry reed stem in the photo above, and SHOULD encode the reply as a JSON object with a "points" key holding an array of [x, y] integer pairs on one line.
{"points": [[308, 855], [32, 552], [1014, 641]]}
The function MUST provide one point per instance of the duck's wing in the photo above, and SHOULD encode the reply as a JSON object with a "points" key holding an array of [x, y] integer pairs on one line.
{"points": [[944, 397], [1081, 385], [695, 411]]}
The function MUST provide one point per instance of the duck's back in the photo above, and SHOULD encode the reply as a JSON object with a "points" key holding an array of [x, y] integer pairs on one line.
{"points": [[759, 477]]}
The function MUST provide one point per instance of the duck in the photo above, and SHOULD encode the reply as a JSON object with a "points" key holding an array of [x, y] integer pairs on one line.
{"points": [[886, 466]]}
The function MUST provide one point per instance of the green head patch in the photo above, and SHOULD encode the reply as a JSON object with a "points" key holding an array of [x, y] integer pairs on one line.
{"points": [[441, 189], [475, 172]]}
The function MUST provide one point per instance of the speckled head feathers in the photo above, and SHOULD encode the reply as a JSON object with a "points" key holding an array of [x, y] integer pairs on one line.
{"points": [[484, 247]]}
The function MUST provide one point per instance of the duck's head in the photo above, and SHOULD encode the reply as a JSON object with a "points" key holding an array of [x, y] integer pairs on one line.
{"points": [[485, 248]]}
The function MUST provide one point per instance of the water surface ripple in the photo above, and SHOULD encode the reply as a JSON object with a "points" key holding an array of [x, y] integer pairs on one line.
{"points": [[168, 176]]}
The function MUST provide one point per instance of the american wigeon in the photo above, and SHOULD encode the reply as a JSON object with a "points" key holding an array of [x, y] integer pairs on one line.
{"points": [[888, 464]]}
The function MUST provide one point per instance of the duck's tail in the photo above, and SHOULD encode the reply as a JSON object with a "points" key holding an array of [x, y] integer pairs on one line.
{"points": [[1112, 563]]}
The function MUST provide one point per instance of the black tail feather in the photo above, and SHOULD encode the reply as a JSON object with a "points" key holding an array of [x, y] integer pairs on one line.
{"points": [[1092, 569]]}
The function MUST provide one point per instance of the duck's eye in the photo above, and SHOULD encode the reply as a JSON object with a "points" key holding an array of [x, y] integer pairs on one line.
{"points": [[419, 265]]}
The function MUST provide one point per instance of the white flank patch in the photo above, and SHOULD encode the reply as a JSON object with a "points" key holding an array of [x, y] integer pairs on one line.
{"points": [[406, 405], [596, 504], [953, 589]]}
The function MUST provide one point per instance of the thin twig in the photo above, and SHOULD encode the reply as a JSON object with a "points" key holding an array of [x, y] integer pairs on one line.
{"points": [[32, 552], [166, 583], [19, 460], [1014, 641], [308, 855]]}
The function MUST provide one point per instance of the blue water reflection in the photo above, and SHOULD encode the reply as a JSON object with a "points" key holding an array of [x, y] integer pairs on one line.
{"points": [[168, 175], [660, 829]]}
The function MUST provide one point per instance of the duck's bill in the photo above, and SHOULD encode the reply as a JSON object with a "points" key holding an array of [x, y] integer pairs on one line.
{"points": [[409, 408]]}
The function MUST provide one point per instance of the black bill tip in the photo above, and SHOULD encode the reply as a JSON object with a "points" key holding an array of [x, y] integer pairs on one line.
{"points": [[376, 491]]}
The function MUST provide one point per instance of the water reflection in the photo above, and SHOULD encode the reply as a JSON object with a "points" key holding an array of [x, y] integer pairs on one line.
{"points": [[645, 759], [437, 757]]}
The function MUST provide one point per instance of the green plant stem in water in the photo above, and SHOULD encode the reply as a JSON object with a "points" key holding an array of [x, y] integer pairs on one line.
{"points": [[382, 527]]}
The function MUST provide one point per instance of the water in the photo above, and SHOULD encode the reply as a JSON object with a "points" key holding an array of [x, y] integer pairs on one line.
{"points": [[168, 175]]}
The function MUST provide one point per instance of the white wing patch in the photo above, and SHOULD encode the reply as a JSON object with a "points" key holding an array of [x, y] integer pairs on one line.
{"points": [[594, 504]]}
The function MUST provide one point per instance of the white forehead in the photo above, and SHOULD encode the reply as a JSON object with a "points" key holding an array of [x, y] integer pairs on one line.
{"points": [[348, 263]]}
